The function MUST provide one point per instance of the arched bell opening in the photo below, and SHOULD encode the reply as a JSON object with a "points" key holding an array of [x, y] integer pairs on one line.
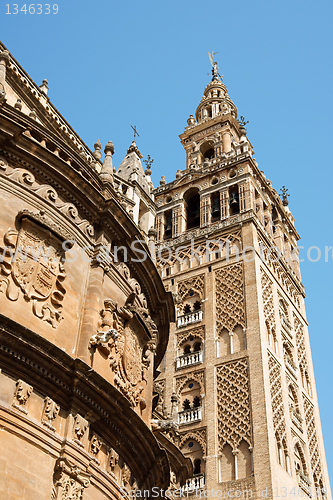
{"points": [[192, 201], [207, 150]]}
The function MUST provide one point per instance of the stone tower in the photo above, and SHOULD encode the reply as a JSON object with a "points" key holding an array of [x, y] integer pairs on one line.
{"points": [[237, 374]]}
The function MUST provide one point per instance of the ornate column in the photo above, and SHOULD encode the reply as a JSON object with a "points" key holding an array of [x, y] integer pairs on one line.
{"points": [[160, 226], [205, 213], [224, 203]]}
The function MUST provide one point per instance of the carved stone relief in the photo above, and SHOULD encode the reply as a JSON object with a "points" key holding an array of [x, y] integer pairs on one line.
{"points": [[22, 394], [32, 267], [69, 481], [50, 413], [128, 352], [80, 426]]}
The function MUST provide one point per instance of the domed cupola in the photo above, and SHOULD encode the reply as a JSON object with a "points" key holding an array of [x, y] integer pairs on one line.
{"points": [[215, 100]]}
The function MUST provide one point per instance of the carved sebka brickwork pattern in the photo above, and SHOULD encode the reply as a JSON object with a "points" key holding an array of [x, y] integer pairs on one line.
{"points": [[234, 410], [32, 265], [300, 345], [268, 301], [272, 260], [230, 299], [200, 252], [276, 398], [197, 435], [198, 332], [312, 440], [27, 179], [195, 284], [196, 376]]}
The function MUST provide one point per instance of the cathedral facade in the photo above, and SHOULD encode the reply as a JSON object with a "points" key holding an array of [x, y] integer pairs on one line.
{"points": [[84, 323], [153, 342]]}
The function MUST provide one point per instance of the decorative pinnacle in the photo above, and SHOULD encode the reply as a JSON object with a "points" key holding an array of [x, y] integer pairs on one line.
{"points": [[242, 122], [148, 163], [97, 153], [285, 195]]}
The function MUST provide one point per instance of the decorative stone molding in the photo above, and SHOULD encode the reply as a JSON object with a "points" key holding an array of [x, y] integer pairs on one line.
{"points": [[230, 299], [22, 394], [25, 178], [50, 413], [233, 404], [69, 481], [32, 265]]}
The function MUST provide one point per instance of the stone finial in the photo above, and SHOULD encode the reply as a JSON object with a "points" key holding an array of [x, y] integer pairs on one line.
{"points": [[285, 195], [97, 153], [148, 163], [33, 114], [18, 104], [134, 148], [4, 59], [191, 121], [163, 181], [106, 174], [178, 174], [44, 88]]}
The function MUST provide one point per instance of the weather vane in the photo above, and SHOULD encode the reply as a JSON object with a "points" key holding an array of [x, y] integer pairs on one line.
{"points": [[215, 69], [136, 133]]}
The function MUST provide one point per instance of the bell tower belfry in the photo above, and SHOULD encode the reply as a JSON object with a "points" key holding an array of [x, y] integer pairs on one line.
{"points": [[237, 377]]}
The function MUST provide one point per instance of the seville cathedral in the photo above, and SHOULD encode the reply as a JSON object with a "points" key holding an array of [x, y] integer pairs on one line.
{"points": [[153, 341]]}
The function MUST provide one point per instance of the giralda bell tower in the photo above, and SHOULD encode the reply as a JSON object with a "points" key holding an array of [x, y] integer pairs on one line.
{"points": [[238, 374]]}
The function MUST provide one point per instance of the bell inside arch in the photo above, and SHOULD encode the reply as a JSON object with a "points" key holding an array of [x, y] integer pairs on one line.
{"points": [[233, 199], [215, 206]]}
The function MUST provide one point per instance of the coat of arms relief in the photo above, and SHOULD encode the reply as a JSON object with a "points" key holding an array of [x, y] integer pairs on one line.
{"points": [[126, 342], [31, 265]]}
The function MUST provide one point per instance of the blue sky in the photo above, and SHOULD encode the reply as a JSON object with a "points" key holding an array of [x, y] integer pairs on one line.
{"points": [[112, 64]]}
